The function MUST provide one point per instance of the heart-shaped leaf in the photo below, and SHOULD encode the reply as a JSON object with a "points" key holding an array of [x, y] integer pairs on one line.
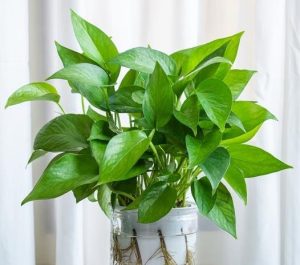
{"points": [[144, 59], [215, 98], [151, 208], [122, 153], [223, 214], [189, 113], [200, 149], [158, 99], [67, 132], [216, 166], [203, 195], [95, 44], [254, 161], [33, 92], [65, 173]]}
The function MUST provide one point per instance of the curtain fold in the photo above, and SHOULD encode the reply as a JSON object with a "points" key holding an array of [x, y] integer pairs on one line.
{"points": [[60, 232]]}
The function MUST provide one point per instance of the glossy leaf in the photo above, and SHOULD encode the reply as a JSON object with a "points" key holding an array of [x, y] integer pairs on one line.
{"points": [[33, 92], [189, 113], [151, 208], [67, 132], [100, 131], [203, 195], [223, 213], [158, 100], [199, 149], [64, 174], [237, 80], [215, 98], [254, 161], [144, 59], [94, 115], [216, 166], [234, 120], [104, 199], [95, 44], [180, 85], [121, 154], [98, 149], [84, 191], [36, 154], [188, 59], [235, 178], [122, 101], [83, 73]]}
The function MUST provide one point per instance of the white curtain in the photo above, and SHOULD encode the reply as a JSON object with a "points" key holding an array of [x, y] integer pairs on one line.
{"points": [[59, 232]]}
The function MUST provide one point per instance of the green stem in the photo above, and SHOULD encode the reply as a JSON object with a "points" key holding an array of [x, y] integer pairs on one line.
{"points": [[61, 108], [126, 195], [82, 104]]}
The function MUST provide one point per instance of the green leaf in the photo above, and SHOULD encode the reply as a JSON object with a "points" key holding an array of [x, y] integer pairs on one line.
{"points": [[235, 178], [215, 98], [100, 131], [215, 166], [84, 74], [36, 154], [234, 120], [237, 80], [181, 84], [151, 208], [94, 115], [188, 59], [64, 174], [95, 44], [189, 113], [122, 153], [254, 161], [84, 191], [104, 200], [69, 57], [203, 195], [158, 100], [223, 214], [144, 59], [98, 149], [200, 149], [122, 101], [67, 132], [33, 92], [252, 117]]}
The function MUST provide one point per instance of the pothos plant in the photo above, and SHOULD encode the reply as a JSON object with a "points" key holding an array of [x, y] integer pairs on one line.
{"points": [[185, 128]]}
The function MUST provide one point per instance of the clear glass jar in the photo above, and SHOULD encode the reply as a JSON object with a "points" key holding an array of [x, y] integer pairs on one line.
{"points": [[171, 240]]}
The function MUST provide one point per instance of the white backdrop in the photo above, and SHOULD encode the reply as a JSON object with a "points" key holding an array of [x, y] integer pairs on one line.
{"points": [[59, 232]]}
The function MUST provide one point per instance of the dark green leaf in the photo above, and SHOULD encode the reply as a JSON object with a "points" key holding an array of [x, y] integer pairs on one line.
{"points": [[144, 59], [237, 80], [104, 199], [67, 132], [122, 101], [254, 161], [122, 153], [189, 113], [100, 131], [95, 116], [223, 214], [203, 195], [36, 154], [215, 97], [200, 149], [151, 208], [158, 100], [33, 92], [95, 44], [63, 174], [216, 165], [84, 191], [235, 178]]}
